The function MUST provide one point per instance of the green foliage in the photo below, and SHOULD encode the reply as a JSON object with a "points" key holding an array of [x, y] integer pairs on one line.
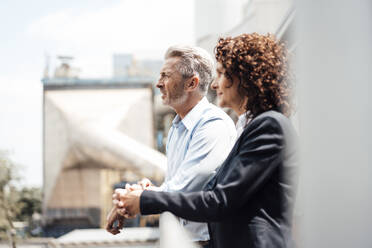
{"points": [[16, 204], [7, 189], [29, 202], [8, 207]]}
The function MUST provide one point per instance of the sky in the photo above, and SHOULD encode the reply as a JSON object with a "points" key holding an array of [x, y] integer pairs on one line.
{"points": [[90, 31]]}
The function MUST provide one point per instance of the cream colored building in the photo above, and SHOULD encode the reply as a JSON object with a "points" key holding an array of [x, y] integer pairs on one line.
{"points": [[96, 133]]}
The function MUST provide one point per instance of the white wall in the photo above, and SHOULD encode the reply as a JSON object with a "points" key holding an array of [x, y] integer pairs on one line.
{"points": [[216, 18], [335, 65]]}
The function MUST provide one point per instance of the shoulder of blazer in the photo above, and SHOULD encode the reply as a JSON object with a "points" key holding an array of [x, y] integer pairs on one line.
{"points": [[274, 117]]}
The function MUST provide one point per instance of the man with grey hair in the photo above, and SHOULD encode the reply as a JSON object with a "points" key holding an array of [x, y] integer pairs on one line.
{"points": [[201, 135]]}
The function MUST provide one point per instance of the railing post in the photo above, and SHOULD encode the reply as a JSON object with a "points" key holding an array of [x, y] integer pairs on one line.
{"points": [[172, 235]]}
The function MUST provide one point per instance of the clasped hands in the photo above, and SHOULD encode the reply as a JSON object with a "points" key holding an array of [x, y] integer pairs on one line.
{"points": [[126, 205]]}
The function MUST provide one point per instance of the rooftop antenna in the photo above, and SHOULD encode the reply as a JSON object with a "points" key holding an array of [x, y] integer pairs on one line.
{"points": [[47, 65]]}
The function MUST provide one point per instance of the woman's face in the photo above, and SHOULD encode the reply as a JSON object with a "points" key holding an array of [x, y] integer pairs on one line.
{"points": [[227, 90]]}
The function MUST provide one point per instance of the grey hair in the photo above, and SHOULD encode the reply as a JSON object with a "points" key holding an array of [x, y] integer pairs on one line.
{"points": [[194, 60]]}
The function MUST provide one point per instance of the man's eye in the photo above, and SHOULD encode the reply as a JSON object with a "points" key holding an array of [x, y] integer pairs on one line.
{"points": [[162, 76]]}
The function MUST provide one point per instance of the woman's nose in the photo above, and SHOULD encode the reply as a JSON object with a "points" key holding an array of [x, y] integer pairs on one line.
{"points": [[214, 84]]}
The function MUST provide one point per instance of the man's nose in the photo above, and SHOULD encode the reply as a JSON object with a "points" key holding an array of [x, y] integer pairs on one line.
{"points": [[159, 84]]}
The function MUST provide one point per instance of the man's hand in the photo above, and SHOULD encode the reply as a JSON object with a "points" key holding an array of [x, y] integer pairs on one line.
{"points": [[115, 222], [126, 203], [129, 203], [120, 191], [116, 196], [145, 183]]}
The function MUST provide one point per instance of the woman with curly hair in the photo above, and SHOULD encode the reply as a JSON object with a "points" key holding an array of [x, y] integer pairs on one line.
{"points": [[249, 202], [252, 76]]}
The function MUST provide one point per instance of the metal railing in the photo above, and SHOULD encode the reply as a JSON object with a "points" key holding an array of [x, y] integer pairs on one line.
{"points": [[172, 234]]}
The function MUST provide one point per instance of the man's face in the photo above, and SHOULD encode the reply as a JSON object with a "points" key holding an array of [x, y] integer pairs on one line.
{"points": [[171, 83]]}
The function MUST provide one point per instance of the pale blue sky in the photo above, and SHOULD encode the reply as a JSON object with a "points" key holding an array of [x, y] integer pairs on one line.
{"points": [[89, 30]]}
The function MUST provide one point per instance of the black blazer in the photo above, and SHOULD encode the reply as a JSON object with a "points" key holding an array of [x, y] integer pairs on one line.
{"points": [[250, 200]]}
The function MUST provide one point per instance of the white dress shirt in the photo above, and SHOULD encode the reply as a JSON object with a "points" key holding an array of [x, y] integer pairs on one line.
{"points": [[241, 123]]}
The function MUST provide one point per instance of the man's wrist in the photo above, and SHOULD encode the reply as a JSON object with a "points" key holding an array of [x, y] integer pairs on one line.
{"points": [[153, 188]]}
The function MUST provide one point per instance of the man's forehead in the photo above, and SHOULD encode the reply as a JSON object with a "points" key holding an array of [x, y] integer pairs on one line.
{"points": [[169, 63]]}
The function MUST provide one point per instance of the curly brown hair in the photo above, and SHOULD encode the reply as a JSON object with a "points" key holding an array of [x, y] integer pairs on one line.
{"points": [[260, 62]]}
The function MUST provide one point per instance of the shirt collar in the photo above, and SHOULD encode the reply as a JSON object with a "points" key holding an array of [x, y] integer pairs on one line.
{"points": [[242, 120], [176, 120], [193, 116]]}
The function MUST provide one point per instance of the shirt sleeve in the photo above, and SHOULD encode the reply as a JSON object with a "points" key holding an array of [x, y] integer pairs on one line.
{"points": [[208, 148], [258, 157]]}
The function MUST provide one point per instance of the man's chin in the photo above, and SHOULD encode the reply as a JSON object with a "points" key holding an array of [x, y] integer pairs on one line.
{"points": [[165, 101]]}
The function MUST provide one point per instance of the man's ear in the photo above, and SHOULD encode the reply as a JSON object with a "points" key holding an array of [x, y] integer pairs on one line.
{"points": [[192, 84]]}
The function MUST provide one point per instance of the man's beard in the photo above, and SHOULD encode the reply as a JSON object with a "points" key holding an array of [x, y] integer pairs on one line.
{"points": [[178, 96]]}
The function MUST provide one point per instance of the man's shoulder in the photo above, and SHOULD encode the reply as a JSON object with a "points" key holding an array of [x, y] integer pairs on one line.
{"points": [[212, 112], [215, 122]]}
